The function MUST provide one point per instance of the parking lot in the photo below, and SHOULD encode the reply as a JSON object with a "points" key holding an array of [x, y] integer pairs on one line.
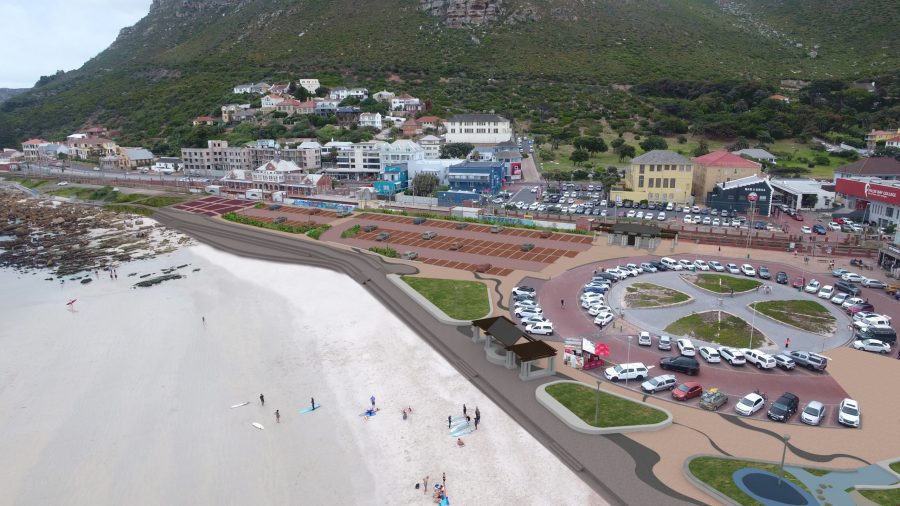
{"points": [[465, 248], [571, 321], [213, 206], [292, 215]]}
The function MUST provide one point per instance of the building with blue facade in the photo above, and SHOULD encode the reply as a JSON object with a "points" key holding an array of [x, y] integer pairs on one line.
{"points": [[481, 177], [393, 180], [732, 195]]}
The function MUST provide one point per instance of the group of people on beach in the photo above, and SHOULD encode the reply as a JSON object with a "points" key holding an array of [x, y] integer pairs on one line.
{"points": [[262, 401], [440, 489]]}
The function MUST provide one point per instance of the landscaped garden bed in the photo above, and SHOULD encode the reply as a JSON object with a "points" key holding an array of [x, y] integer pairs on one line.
{"points": [[614, 411], [644, 295], [808, 315], [462, 300], [723, 283], [717, 327]]}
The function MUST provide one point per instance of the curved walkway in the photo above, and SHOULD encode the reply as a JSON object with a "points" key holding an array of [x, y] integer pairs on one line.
{"points": [[656, 320]]}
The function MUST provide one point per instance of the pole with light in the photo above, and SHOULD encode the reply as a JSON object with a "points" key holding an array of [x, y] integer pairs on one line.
{"points": [[752, 198], [628, 357]]}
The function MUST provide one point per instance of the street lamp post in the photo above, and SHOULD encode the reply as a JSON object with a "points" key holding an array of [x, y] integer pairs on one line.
{"points": [[752, 323], [628, 358], [752, 197], [597, 407], [785, 438]]}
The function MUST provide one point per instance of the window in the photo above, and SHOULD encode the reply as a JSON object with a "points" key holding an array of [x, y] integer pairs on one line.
{"points": [[641, 169], [672, 182], [641, 180], [650, 183], [889, 212], [658, 182], [665, 183]]}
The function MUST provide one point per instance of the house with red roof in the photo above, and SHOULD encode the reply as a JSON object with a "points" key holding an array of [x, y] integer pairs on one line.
{"points": [[203, 120], [432, 122], [782, 98], [31, 148], [893, 142], [719, 167]]}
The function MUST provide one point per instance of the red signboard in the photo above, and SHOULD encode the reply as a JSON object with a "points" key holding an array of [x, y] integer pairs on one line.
{"points": [[869, 191], [516, 168]]}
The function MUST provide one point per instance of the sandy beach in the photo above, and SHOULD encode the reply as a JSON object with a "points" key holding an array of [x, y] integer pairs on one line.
{"points": [[127, 398]]}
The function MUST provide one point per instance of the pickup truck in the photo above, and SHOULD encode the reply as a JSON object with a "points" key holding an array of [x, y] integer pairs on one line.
{"points": [[810, 360], [892, 288]]}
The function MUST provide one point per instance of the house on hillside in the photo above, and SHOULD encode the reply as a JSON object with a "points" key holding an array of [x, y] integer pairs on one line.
{"points": [[167, 165], [280, 88], [203, 120], [757, 154], [893, 142], [876, 136], [228, 111], [370, 119], [288, 106], [432, 122], [477, 129], [87, 148], [270, 102], [310, 85], [347, 116], [133, 158], [383, 96], [781, 98], [258, 88], [244, 115], [432, 146], [411, 128], [406, 103], [401, 151], [720, 167], [30, 149]]}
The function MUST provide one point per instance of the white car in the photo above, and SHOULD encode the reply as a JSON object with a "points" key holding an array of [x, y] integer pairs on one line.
{"points": [[639, 215], [759, 359], [630, 214], [687, 265], [661, 216], [528, 312], [839, 298], [873, 345], [716, 222], [633, 269], [617, 273], [603, 319], [598, 309], [710, 354], [688, 219], [544, 328], [526, 303], [634, 371], [826, 292], [732, 355], [698, 219], [592, 301], [813, 413], [806, 229], [733, 269], [703, 266], [812, 287], [848, 413], [62, 183], [852, 277], [686, 347], [644, 339], [659, 383], [748, 270], [716, 266], [534, 189], [751, 403], [523, 290], [648, 267], [533, 320], [834, 226], [707, 220], [852, 301]]}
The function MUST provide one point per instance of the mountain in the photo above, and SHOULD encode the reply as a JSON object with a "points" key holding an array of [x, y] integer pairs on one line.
{"points": [[6, 93], [183, 58]]}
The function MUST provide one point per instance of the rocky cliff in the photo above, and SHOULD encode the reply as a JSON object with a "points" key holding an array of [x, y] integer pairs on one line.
{"points": [[460, 13]]}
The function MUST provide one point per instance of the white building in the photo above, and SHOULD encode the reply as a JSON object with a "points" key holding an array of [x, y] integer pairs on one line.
{"points": [[310, 85], [401, 151], [383, 96], [432, 146], [258, 88], [798, 193], [270, 102], [360, 161], [405, 103], [757, 154], [370, 119], [440, 168], [216, 156], [477, 129]]}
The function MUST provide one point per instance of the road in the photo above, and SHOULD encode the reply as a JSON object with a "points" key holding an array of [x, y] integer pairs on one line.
{"points": [[618, 468], [86, 171]]}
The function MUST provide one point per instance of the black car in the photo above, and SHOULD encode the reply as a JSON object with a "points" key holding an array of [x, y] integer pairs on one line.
{"points": [[763, 272], [784, 408], [686, 365], [843, 286], [607, 276], [781, 278], [659, 266]]}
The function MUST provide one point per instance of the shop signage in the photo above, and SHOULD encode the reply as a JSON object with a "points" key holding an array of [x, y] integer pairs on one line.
{"points": [[869, 191]]}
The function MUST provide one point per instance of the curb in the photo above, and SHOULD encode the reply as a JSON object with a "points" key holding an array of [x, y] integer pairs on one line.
{"points": [[430, 307], [717, 294], [760, 313], [576, 424], [685, 470]]}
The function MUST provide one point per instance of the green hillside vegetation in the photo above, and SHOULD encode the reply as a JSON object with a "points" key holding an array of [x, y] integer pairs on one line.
{"points": [[182, 60]]}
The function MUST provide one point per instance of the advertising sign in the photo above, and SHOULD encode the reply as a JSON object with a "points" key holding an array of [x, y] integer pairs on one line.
{"points": [[515, 168], [869, 191]]}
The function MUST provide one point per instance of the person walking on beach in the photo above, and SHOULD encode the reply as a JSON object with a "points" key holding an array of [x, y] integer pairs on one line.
{"points": [[476, 422], [425, 484], [468, 419], [262, 399], [277, 416], [477, 412], [464, 410], [204, 319], [312, 402], [449, 420], [444, 479], [562, 303], [373, 400]]}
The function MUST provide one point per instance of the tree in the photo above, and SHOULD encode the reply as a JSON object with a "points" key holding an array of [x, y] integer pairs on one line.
{"points": [[702, 148], [456, 150], [596, 145], [890, 229], [424, 184], [654, 142], [625, 151], [609, 178], [579, 156], [579, 174], [618, 141], [322, 91]]}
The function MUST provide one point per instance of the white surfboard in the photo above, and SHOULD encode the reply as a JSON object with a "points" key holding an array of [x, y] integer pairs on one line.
{"points": [[241, 404], [258, 425]]}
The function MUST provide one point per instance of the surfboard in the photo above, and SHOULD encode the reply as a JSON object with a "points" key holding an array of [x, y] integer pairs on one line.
{"points": [[241, 404], [71, 302], [258, 425], [309, 409]]}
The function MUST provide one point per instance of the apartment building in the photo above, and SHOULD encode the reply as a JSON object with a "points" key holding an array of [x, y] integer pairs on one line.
{"points": [[477, 129]]}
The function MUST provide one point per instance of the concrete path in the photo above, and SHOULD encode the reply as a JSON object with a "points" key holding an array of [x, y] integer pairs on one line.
{"points": [[837, 482]]}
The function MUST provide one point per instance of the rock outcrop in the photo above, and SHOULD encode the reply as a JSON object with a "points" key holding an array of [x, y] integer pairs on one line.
{"points": [[464, 13]]}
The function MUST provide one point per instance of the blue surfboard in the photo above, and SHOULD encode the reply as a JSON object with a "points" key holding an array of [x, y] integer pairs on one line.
{"points": [[309, 409]]}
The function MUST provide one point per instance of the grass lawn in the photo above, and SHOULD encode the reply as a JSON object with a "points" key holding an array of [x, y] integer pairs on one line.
{"points": [[895, 466], [889, 497], [732, 331], [805, 314], [463, 300], [106, 194], [717, 472], [816, 472], [723, 283], [650, 295], [125, 208], [28, 183], [614, 411]]}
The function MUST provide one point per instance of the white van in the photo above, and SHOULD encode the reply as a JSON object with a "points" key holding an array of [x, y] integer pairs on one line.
{"points": [[543, 328], [671, 264], [759, 359], [634, 371]]}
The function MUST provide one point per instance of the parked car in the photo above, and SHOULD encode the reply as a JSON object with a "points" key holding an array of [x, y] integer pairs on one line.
{"points": [[885, 335], [848, 413], [716, 266], [806, 229], [826, 292], [781, 278], [733, 269], [843, 286], [819, 230], [861, 306], [686, 365], [759, 359], [384, 236], [812, 287], [686, 347], [813, 413], [648, 267], [748, 270], [810, 360], [785, 362], [701, 265], [369, 228], [839, 272], [710, 354], [410, 255], [784, 407], [687, 265], [527, 312], [732, 355], [873, 283], [644, 339], [659, 383], [798, 282], [713, 399], [852, 277], [664, 343], [632, 371], [519, 290], [839, 298], [749, 404], [429, 235], [687, 390], [543, 328], [872, 345], [603, 319], [763, 272], [852, 301], [834, 226]]}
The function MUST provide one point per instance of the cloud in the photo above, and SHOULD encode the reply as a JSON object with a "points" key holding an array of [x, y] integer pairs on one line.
{"points": [[39, 38]]}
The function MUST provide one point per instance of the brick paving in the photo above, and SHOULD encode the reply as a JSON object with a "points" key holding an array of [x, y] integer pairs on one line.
{"points": [[213, 206], [294, 215]]}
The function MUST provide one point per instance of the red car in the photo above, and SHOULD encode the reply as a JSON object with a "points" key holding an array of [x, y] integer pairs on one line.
{"points": [[799, 282], [798, 217], [687, 390]]}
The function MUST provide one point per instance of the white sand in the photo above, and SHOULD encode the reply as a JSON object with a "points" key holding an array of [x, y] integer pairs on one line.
{"points": [[127, 399]]}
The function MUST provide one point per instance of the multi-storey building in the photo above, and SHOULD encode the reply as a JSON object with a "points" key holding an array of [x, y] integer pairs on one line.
{"points": [[719, 167], [477, 129], [401, 151], [658, 176], [216, 156]]}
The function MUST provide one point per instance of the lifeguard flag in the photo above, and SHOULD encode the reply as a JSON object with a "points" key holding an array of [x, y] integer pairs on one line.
{"points": [[601, 350]]}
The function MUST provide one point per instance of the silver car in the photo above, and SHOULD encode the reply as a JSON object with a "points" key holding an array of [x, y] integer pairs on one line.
{"points": [[813, 413]]}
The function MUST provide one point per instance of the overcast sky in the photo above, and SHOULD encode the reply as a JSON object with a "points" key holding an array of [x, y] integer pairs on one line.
{"points": [[37, 38]]}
